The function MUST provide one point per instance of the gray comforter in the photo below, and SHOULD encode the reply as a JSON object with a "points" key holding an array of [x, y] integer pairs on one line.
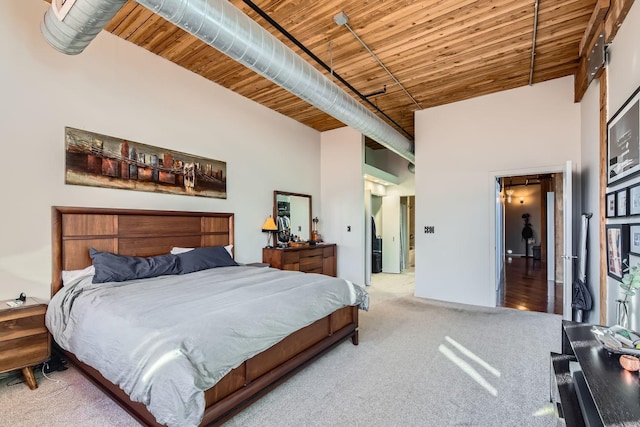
{"points": [[165, 340]]}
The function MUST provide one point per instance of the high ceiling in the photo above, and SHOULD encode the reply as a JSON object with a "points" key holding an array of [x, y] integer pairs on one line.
{"points": [[440, 50]]}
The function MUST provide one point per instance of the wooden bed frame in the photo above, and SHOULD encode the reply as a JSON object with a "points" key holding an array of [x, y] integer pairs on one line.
{"points": [[151, 232]]}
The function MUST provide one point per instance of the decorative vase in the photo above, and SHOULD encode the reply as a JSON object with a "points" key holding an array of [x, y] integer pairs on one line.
{"points": [[622, 313]]}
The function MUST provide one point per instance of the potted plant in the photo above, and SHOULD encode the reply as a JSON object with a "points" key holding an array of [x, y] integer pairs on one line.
{"points": [[630, 284]]}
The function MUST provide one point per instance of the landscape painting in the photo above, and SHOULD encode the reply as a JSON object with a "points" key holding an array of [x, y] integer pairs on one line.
{"points": [[104, 161]]}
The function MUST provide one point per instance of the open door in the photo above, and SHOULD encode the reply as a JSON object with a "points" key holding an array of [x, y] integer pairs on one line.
{"points": [[499, 247], [391, 234], [568, 255], [368, 237]]}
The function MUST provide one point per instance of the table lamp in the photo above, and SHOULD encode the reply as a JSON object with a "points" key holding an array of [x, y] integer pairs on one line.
{"points": [[269, 226]]}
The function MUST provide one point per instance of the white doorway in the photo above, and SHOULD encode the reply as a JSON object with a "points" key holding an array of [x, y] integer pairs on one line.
{"points": [[390, 248], [565, 255]]}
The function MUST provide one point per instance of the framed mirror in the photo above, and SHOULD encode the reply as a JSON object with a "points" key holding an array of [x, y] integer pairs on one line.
{"points": [[292, 213]]}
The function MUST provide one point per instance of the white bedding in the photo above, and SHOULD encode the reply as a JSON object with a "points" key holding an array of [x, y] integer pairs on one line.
{"points": [[167, 339]]}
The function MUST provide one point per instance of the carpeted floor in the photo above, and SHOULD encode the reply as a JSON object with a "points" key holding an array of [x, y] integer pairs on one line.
{"points": [[419, 363]]}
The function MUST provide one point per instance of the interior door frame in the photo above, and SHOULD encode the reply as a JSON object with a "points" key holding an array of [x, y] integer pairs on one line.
{"points": [[493, 256]]}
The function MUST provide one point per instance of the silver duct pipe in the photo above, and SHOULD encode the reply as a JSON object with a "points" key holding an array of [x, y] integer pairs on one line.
{"points": [[224, 27], [70, 26]]}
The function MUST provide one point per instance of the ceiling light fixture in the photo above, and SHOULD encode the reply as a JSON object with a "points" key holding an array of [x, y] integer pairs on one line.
{"points": [[509, 194]]}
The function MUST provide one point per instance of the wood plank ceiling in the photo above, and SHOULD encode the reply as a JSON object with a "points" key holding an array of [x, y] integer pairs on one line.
{"points": [[441, 50]]}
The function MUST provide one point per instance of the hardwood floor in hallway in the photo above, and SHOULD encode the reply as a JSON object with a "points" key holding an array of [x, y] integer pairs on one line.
{"points": [[526, 287]]}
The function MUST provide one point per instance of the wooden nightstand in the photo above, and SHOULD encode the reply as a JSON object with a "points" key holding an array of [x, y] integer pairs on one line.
{"points": [[24, 338]]}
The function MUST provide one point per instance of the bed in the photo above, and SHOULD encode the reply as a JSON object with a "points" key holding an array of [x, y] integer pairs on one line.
{"points": [[145, 233]]}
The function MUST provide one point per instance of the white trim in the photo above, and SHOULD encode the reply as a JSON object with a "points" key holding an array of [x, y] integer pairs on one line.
{"points": [[493, 175]]}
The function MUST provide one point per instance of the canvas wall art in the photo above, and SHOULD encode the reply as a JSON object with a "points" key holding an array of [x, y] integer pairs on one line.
{"points": [[104, 161], [623, 141]]}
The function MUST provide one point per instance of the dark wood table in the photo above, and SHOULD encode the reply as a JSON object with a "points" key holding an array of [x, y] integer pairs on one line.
{"points": [[615, 393]]}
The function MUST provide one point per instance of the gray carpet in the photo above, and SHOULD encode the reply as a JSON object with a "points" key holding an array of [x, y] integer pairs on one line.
{"points": [[419, 363]]}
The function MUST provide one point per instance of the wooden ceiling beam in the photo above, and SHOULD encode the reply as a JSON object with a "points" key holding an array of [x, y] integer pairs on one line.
{"points": [[599, 12], [615, 17], [609, 24]]}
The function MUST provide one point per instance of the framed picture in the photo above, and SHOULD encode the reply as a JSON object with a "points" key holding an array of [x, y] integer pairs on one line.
{"points": [[106, 161], [611, 205], [623, 143], [617, 249], [634, 200], [634, 239], [622, 203]]}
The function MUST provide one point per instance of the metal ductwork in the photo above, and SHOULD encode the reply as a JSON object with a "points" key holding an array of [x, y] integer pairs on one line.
{"points": [[69, 26], [224, 27]]}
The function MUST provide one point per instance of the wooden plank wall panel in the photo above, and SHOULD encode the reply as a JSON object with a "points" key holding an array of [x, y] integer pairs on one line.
{"points": [[76, 252], [158, 225], [150, 246], [215, 240], [214, 224], [93, 225]]}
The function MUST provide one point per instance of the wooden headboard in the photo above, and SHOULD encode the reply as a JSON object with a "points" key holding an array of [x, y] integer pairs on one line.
{"points": [[132, 232]]}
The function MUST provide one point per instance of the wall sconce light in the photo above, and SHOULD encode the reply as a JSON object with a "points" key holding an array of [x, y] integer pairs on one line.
{"points": [[509, 194], [521, 200], [269, 226]]}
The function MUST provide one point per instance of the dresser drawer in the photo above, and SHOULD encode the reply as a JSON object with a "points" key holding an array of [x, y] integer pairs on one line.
{"points": [[292, 257], [22, 352], [309, 259], [311, 252], [311, 262]]}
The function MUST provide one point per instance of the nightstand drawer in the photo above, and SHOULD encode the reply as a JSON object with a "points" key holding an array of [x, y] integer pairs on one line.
{"points": [[20, 327], [23, 352]]}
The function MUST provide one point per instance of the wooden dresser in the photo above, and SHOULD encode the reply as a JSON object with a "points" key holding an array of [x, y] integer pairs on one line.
{"points": [[309, 259], [24, 338]]}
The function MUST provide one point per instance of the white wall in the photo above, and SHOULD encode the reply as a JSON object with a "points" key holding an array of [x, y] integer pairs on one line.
{"points": [[458, 146], [623, 79], [590, 181], [514, 223], [118, 89], [342, 200]]}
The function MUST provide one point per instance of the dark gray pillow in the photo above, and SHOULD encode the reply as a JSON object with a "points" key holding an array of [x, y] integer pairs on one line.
{"points": [[118, 268], [204, 258]]}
